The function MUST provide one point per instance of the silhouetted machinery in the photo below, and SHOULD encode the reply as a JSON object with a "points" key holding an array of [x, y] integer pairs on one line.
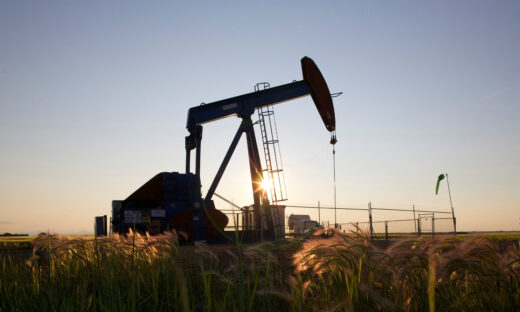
{"points": [[172, 200]]}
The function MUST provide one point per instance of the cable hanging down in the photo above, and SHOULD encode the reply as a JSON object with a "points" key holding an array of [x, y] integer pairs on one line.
{"points": [[333, 141]]}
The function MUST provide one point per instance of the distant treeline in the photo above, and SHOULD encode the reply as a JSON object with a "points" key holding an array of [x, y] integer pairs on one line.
{"points": [[10, 234]]}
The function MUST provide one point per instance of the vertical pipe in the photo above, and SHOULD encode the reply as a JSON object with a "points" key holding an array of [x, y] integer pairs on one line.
{"points": [[189, 146], [188, 160], [197, 155]]}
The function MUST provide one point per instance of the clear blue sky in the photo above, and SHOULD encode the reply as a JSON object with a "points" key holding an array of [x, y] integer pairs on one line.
{"points": [[94, 96]]}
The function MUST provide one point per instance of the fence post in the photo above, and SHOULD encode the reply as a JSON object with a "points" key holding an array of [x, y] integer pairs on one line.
{"points": [[419, 226], [433, 224], [414, 224], [370, 220], [357, 227], [454, 225], [386, 230], [319, 214]]}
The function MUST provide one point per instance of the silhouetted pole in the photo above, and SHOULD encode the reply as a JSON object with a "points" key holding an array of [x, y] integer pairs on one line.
{"points": [[319, 214], [370, 220], [452, 210], [334, 161], [414, 221], [433, 224]]}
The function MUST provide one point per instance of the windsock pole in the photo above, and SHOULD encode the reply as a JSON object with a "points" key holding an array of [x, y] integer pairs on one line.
{"points": [[451, 204]]}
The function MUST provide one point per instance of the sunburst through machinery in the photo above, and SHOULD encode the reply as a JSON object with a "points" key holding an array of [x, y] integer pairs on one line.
{"points": [[173, 200]]}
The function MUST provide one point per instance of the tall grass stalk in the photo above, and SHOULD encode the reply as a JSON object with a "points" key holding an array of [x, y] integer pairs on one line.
{"points": [[346, 272], [441, 274]]}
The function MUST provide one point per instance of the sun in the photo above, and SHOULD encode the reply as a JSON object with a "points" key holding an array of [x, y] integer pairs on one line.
{"points": [[266, 184]]}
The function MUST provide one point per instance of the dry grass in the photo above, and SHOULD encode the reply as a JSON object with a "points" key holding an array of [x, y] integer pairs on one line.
{"points": [[341, 273], [441, 274]]}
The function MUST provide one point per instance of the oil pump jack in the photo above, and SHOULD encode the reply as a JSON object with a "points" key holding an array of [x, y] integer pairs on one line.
{"points": [[172, 200]]}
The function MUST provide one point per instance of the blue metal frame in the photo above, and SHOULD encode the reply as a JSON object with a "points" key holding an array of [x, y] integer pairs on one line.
{"points": [[243, 127], [245, 105]]}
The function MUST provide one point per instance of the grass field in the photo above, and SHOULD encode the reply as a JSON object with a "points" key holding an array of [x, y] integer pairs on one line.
{"points": [[26, 242], [341, 273], [495, 235], [489, 235], [16, 242]]}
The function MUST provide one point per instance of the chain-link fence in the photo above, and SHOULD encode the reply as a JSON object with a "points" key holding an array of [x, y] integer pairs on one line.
{"points": [[422, 222]]}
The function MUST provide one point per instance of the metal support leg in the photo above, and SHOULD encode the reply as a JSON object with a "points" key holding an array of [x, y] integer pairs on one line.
{"points": [[255, 168], [188, 154], [256, 154], [189, 143], [225, 162], [255, 184], [198, 142]]}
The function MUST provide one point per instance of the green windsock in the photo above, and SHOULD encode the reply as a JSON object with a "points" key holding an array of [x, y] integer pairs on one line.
{"points": [[439, 179]]}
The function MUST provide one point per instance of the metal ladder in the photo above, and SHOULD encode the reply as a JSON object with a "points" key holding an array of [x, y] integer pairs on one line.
{"points": [[272, 155]]}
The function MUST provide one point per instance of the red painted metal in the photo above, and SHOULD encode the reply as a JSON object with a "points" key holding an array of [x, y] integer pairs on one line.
{"points": [[182, 222], [320, 92]]}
